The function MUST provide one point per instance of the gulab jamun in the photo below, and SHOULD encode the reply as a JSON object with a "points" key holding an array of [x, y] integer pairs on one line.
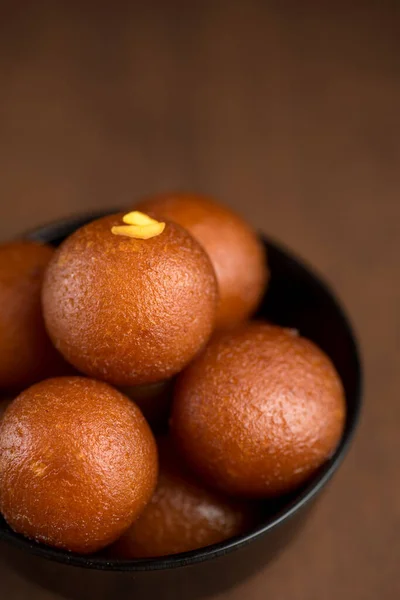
{"points": [[26, 352], [78, 463], [130, 304], [183, 514], [236, 253], [259, 411]]}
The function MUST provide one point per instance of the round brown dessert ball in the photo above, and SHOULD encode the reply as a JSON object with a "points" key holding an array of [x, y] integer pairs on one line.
{"points": [[26, 353], [259, 411], [183, 515], [129, 311], [78, 463], [154, 400], [236, 253]]}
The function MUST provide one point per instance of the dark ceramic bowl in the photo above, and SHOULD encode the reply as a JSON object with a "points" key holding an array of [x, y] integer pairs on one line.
{"points": [[296, 298]]}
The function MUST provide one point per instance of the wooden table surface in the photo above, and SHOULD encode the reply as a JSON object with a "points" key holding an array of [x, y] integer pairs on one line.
{"points": [[289, 114]]}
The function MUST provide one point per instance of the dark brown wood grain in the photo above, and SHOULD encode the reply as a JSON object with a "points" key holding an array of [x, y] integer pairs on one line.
{"points": [[289, 112]]}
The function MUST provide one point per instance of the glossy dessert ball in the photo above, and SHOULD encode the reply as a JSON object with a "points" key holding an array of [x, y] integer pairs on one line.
{"points": [[259, 411], [237, 255], [26, 353], [154, 400], [183, 515], [126, 309], [78, 463]]}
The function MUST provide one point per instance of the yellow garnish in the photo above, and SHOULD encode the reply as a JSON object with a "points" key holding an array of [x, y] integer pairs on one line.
{"points": [[138, 218], [139, 226], [140, 232]]}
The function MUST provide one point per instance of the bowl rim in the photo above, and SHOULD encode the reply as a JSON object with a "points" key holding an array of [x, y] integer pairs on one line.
{"points": [[58, 228]]}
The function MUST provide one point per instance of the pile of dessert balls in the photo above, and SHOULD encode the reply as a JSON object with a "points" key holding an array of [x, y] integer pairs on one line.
{"points": [[146, 414]]}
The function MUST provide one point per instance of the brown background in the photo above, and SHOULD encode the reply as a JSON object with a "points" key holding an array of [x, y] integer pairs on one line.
{"points": [[290, 114]]}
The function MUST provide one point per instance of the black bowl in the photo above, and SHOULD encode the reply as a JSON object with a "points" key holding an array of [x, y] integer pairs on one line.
{"points": [[296, 298]]}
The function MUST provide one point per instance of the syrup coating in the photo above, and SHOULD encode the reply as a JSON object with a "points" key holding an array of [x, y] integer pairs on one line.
{"points": [[259, 411], [129, 311], [78, 463], [26, 352]]}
